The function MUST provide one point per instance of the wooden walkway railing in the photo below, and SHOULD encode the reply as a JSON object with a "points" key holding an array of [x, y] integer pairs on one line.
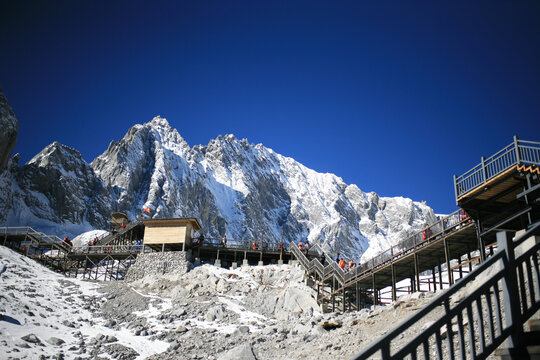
{"points": [[518, 152], [473, 325]]}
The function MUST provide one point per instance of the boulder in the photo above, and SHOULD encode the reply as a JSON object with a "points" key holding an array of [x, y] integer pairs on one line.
{"points": [[244, 352]]}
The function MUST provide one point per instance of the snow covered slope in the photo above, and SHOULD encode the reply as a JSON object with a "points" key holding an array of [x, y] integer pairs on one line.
{"points": [[235, 188]]}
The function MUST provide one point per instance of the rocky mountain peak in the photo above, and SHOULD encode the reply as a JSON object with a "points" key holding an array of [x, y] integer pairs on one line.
{"points": [[233, 187], [59, 155]]}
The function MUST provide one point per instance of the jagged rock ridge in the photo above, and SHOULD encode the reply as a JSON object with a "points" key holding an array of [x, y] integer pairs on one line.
{"points": [[8, 135], [235, 188]]}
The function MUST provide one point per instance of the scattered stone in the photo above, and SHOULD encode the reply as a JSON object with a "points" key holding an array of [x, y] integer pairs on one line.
{"points": [[181, 329], [243, 352], [55, 341], [31, 338]]}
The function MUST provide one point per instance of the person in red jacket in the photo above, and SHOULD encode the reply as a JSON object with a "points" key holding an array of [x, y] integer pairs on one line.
{"points": [[342, 264], [426, 234]]}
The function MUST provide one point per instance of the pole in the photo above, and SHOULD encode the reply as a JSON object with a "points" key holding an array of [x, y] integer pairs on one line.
{"points": [[281, 247], [447, 257], [262, 239], [393, 282], [417, 272], [512, 307], [516, 145]]}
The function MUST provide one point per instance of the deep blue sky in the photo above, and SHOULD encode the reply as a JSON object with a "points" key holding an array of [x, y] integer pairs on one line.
{"points": [[394, 96]]}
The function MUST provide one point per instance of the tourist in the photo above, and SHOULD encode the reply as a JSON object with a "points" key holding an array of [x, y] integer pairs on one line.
{"points": [[224, 241], [342, 264], [306, 248], [67, 242], [301, 246], [426, 234]]}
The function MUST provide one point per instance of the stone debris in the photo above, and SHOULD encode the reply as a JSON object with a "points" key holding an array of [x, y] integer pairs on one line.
{"points": [[206, 313]]}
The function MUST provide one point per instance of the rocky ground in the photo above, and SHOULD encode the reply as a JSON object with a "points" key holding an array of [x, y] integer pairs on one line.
{"points": [[207, 313]]}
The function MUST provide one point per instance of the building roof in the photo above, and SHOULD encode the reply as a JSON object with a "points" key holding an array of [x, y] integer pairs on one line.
{"points": [[172, 221]]}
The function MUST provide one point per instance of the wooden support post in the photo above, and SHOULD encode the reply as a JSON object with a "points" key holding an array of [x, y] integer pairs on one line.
{"points": [[447, 258], [333, 295], [344, 304], [481, 243], [440, 274], [85, 267], [374, 289], [357, 297], [470, 260], [434, 280], [417, 271], [281, 246], [393, 282], [512, 306], [262, 239]]}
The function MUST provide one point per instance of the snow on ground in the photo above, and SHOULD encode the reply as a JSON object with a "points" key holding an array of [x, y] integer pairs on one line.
{"points": [[206, 313], [35, 300]]}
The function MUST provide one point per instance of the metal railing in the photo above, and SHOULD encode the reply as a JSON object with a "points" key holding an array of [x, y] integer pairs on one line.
{"points": [[324, 271], [238, 244], [473, 324], [442, 228], [518, 152], [37, 237], [110, 249], [108, 237], [445, 226]]}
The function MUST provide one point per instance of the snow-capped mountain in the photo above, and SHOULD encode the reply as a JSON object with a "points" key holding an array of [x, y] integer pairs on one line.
{"points": [[233, 187]]}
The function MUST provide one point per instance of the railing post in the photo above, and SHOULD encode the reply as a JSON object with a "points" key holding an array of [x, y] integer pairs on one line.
{"points": [[455, 187], [516, 146], [484, 174], [512, 307]]}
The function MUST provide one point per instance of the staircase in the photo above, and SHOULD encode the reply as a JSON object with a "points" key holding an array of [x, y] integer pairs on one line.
{"points": [[49, 250], [489, 306]]}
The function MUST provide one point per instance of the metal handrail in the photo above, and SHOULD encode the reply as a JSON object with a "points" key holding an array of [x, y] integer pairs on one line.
{"points": [[110, 249], [442, 228], [501, 267], [241, 244], [332, 269], [518, 152], [27, 230]]}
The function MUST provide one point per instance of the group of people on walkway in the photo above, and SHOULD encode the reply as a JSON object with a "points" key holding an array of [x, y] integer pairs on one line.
{"points": [[92, 242], [304, 247], [67, 242], [343, 264]]}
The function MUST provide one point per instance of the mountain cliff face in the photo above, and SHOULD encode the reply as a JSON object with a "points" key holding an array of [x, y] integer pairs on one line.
{"points": [[233, 187], [8, 134]]}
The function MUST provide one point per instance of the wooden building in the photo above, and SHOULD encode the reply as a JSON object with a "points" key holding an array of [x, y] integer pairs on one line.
{"points": [[170, 234]]}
